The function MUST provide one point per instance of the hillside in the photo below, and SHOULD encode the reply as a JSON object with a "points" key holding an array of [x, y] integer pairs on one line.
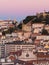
{"points": [[38, 18]]}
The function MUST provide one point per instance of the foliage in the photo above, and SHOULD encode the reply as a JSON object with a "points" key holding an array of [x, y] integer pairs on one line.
{"points": [[9, 31], [20, 26], [44, 32], [28, 18]]}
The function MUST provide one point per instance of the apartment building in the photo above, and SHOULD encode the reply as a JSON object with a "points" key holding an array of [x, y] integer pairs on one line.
{"points": [[12, 47], [27, 27], [42, 37], [38, 25], [2, 50], [26, 49]]}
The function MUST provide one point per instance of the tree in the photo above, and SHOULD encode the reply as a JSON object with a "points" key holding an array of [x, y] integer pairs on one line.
{"points": [[3, 33], [47, 19], [44, 32], [20, 26], [9, 31], [28, 18]]}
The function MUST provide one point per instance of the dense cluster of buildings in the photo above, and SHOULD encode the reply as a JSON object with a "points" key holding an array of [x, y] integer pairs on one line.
{"points": [[29, 45]]}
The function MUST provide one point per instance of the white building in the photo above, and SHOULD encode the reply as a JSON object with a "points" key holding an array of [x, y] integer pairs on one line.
{"points": [[37, 25], [44, 37]]}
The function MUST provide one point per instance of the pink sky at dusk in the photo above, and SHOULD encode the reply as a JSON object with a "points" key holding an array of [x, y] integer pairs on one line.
{"points": [[19, 9]]}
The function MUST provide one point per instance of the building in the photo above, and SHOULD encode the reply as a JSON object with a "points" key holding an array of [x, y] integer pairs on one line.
{"points": [[12, 47], [27, 27], [2, 50], [27, 50], [42, 37], [37, 25], [8, 63]]}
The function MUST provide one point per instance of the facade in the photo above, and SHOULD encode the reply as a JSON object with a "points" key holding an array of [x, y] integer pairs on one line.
{"points": [[26, 49], [27, 27], [42, 37], [37, 25], [2, 50]]}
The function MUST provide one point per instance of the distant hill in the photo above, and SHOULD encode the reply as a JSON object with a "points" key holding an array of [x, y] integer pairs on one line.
{"points": [[38, 18], [28, 18]]}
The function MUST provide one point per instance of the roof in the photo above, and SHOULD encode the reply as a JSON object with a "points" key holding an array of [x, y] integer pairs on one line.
{"points": [[5, 20], [35, 34], [18, 43]]}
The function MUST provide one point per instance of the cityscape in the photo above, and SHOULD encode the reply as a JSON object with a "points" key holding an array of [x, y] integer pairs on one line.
{"points": [[25, 43]]}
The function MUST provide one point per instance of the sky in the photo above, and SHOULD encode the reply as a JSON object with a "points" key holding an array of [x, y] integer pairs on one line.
{"points": [[19, 9]]}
